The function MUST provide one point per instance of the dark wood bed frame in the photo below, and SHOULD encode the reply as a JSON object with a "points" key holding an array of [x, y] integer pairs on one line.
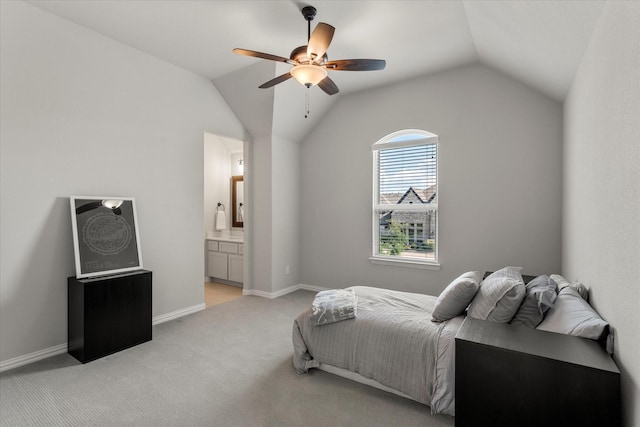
{"points": [[509, 375]]}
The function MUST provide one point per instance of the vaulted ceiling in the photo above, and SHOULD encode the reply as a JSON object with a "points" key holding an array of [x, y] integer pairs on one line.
{"points": [[539, 43]]}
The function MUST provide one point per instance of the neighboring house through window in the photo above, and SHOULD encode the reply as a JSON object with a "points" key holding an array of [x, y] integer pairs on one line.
{"points": [[405, 199]]}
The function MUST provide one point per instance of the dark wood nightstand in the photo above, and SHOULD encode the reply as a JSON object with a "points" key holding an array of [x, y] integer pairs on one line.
{"points": [[509, 375], [108, 314]]}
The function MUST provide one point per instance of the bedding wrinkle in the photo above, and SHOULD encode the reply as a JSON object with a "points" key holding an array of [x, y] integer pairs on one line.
{"points": [[443, 398]]}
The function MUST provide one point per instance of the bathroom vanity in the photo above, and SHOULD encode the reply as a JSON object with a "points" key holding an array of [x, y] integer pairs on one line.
{"points": [[225, 259]]}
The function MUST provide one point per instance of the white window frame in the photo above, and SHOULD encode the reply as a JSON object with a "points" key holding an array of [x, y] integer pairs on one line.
{"points": [[387, 143]]}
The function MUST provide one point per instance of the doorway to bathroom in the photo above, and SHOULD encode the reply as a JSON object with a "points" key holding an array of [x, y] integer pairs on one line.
{"points": [[223, 218]]}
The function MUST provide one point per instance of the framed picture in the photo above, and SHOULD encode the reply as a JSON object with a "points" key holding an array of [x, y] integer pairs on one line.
{"points": [[105, 235]]}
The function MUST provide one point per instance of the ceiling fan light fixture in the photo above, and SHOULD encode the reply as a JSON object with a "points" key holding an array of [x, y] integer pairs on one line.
{"points": [[308, 75]]}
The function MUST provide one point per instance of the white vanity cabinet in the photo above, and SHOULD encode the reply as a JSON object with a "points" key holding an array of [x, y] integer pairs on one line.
{"points": [[235, 267], [225, 260]]}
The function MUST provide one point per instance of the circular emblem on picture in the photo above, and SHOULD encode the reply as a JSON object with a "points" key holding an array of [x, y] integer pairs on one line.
{"points": [[107, 234]]}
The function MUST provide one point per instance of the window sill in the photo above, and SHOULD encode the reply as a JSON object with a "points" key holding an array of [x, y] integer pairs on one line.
{"points": [[399, 262]]}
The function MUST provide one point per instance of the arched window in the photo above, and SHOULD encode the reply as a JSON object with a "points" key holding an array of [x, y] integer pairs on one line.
{"points": [[405, 198]]}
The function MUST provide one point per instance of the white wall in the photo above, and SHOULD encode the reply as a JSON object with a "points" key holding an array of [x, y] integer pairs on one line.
{"points": [[286, 214], [274, 225], [236, 168], [601, 217], [500, 197], [85, 115], [220, 164], [260, 209], [217, 175]]}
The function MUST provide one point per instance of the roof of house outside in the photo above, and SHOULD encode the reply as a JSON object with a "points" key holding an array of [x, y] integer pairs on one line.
{"points": [[420, 195], [427, 195]]}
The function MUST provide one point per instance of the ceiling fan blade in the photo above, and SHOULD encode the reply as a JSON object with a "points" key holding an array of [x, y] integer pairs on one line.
{"points": [[275, 81], [320, 40], [328, 86], [356, 64], [260, 55]]}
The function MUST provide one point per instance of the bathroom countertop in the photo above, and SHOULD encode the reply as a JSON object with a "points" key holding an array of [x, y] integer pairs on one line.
{"points": [[232, 239]]}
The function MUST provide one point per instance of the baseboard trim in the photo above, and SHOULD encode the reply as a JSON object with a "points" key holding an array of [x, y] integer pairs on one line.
{"points": [[62, 348], [178, 313], [281, 292], [26, 359], [312, 288], [56, 350]]}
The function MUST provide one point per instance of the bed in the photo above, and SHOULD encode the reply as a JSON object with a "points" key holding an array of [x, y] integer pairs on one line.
{"points": [[404, 342], [391, 344]]}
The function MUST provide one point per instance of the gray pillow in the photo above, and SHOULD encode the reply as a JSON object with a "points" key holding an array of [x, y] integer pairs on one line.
{"points": [[456, 297], [499, 296], [572, 315], [541, 292]]}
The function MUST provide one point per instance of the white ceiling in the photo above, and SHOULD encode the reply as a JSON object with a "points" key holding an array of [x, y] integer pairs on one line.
{"points": [[540, 43]]}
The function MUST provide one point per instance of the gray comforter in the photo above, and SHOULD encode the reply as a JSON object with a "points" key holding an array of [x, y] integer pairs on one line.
{"points": [[392, 341]]}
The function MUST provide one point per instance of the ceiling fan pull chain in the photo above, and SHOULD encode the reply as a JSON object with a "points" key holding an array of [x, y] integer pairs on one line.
{"points": [[306, 100]]}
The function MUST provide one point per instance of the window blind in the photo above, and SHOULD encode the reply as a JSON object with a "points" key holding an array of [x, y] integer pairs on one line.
{"points": [[407, 176]]}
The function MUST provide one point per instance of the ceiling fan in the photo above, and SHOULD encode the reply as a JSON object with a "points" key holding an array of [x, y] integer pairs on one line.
{"points": [[310, 62]]}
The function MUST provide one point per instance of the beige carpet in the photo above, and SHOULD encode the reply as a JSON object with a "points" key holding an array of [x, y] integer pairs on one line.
{"points": [[228, 365]]}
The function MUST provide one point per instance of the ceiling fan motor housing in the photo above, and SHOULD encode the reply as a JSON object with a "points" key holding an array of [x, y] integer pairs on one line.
{"points": [[299, 55], [309, 12]]}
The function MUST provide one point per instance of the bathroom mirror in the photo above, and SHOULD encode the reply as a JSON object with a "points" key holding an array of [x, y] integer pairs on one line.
{"points": [[237, 200]]}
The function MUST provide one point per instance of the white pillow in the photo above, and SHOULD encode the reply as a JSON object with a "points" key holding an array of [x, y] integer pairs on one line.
{"points": [[499, 296], [577, 286], [572, 315], [560, 281], [456, 297]]}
